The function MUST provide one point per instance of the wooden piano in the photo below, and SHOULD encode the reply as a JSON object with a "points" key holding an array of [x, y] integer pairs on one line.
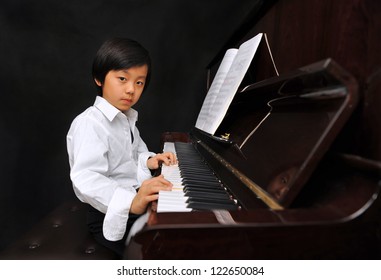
{"points": [[300, 186]]}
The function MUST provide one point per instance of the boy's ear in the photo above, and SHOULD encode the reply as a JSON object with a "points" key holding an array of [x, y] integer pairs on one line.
{"points": [[98, 83]]}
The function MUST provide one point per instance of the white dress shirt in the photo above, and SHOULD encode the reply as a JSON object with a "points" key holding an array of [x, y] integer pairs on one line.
{"points": [[106, 166]]}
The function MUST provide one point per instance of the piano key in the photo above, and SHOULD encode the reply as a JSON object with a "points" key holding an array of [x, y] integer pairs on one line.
{"points": [[217, 196], [201, 183], [203, 186], [196, 173], [172, 201], [195, 187], [209, 200], [210, 206], [169, 147], [198, 192]]}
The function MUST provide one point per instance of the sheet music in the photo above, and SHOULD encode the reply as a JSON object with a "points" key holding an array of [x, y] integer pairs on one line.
{"points": [[215, 87], [220, 98]]}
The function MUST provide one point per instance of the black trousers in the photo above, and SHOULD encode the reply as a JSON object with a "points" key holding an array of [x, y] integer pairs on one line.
{"points": [[95, 224]]}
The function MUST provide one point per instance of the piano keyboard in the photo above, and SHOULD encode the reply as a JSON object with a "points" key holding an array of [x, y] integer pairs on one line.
{"points": [[195, 187]]}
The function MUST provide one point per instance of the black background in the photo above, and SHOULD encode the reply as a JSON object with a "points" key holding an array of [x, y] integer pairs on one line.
{"points": [[46, 51]]}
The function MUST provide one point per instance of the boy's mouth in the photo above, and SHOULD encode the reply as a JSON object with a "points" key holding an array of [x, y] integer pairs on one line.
{"points": [[127, 101]]}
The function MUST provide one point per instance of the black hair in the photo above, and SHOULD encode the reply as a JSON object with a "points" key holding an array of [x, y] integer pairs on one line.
{"points": [[118, 54]]}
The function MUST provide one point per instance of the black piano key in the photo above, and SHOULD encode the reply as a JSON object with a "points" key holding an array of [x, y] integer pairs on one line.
{"points": [[203, 189], [194, 164], [200, 178], [196, 169], [218, 196], [210, 206], [197, 174], [202, 186], [201, 183], [209, 200], [187, 173]]}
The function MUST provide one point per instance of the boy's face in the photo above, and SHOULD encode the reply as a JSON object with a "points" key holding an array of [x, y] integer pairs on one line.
{"points": [[123, 88]]}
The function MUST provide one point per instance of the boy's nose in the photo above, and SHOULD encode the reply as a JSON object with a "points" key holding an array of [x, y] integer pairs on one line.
{"points": [[130, 89]]}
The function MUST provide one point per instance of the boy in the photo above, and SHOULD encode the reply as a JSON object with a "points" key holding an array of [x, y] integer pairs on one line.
{"points": [[110, 164]]}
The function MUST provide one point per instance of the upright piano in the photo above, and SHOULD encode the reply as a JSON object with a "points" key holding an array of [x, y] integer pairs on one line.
{"points": [[284, 176]]}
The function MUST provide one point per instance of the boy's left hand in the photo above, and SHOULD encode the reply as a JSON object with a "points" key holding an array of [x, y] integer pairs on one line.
{"points": [[167, 158]]}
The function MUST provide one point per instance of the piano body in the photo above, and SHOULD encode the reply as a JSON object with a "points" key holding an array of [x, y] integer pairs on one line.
{"points": [[286, 155]]}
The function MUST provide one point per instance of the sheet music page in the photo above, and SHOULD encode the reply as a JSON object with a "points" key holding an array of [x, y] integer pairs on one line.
{"points": [[215, 87], [231, 83]]}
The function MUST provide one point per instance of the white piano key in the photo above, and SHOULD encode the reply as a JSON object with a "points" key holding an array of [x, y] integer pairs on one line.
{"points": [[175, 200], [172, 201], [169, 147]]}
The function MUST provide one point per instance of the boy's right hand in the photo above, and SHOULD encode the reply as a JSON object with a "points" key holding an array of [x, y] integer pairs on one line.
{"points": [[148, 192]]}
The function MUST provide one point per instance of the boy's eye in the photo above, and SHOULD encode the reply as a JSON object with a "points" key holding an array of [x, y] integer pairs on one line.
{"points": [[140, 83], [123, 79]]}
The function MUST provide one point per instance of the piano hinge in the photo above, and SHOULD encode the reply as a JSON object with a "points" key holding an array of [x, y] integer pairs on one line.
{"points": [[263, 195]]}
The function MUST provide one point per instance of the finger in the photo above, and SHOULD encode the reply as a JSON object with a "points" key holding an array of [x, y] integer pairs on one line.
{"points": [[159, 180], [164, 182], [169, 158], [172, 158], [160, 159], [163, 158], [152, 197], [153, 194], [157, 189], [148, 198], [154, 205]]}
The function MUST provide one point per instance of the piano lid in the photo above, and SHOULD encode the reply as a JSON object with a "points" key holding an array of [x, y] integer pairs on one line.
{"points": [[276, 131]]}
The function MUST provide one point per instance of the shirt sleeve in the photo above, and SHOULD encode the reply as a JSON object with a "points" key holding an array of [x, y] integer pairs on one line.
{"points": [[89, 173], [143, 172], [115, 221]]}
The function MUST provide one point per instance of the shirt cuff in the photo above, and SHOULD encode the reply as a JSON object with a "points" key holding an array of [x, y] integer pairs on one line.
{"points": [[143, 171], [115, 221]]}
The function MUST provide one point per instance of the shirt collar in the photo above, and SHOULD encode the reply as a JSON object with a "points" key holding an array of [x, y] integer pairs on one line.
{"points": [[111, 112]]}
